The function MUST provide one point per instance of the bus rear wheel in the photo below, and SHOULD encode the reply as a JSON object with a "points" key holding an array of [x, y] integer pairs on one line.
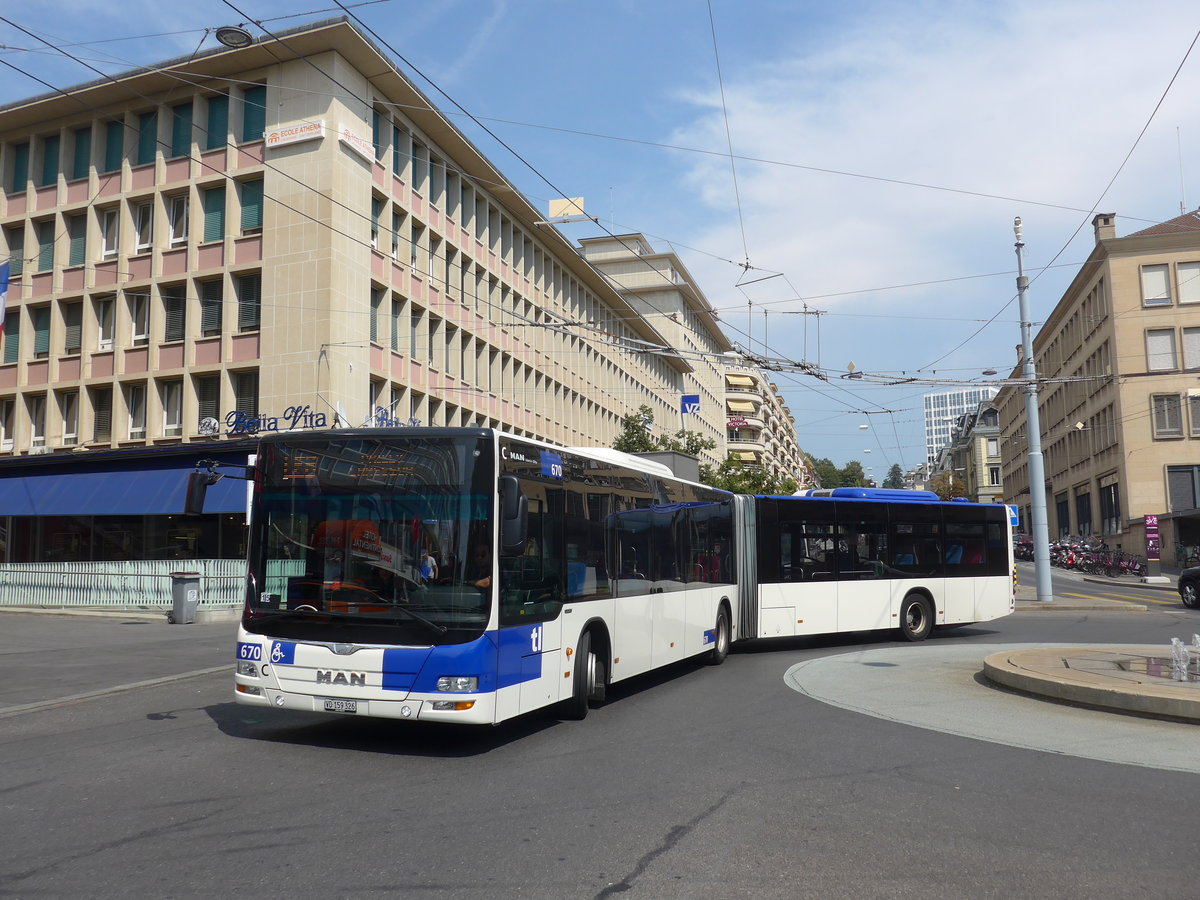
{"points": [[916, 618], [720, 647], [587, 681]]}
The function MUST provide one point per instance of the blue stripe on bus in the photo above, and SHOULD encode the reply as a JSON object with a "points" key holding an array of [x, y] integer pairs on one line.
{"points": [[498, 658]]}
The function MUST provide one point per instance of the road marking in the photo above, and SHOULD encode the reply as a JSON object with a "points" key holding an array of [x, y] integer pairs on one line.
{"points": [[1146, 599], [1089, 597]]}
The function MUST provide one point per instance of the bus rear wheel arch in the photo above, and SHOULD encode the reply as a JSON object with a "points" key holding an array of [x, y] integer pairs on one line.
{"points": [[916, 617]]}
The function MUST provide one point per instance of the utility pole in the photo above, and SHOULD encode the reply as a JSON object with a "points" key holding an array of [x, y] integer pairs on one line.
{"points": [[1033, 432]]}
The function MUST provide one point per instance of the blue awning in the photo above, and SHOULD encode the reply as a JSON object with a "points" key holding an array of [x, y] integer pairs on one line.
{"points": [[150, 490]]}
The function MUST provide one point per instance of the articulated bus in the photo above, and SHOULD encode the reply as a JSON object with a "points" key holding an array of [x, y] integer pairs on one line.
{"points": [[859, 559], [469, 576]]}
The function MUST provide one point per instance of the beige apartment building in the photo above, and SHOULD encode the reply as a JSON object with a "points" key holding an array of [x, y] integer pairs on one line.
{"points": [[1118, 367], [973, 455], [287, 235]]}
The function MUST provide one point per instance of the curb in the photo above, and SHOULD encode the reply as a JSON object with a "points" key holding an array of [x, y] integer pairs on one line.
{"points": [[215, 616], [1047, 672]]}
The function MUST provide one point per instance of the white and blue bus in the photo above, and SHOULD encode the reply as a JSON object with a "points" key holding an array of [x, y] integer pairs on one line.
{"points": [[470, 576], [863, 559]]}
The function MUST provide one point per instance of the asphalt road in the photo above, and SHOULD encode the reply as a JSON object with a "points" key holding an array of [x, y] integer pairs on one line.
{"points": [[697, 782]]}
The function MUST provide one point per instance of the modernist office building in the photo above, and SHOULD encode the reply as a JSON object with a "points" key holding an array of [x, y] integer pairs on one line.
{"points": [[285, 235], [1119, 401], [942, 411]]}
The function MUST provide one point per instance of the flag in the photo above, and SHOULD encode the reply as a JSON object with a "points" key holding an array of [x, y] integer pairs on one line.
{"points": [[3, 293]]}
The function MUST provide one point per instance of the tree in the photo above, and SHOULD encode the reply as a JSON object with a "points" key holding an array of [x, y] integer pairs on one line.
{"points": [[946, 486], [895, 477], [853, 474], [828, 475], [635, 436], [740, 478]]}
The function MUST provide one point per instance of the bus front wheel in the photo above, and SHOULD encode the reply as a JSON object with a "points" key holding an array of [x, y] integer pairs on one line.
{"points": [[584, 681], [720, 648], [916, 618]]}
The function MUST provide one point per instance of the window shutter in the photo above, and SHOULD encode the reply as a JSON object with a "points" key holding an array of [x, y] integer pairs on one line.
{"points": [[1156, 284], [210, 307], [218, 122], [1181, 489], [254, 113], [50, 155], [78, 231], [41, 332], [252, 206], [16, 251], [12, 335], [246, 387], [102, 414], [20, 176], [147, 137], [208, 396], [1191, 348], [82, 158], [214, 214], [45, 231], [1160, 349], [249, 302], [173, 308], [114, 145], [73, 324], [181, 130]]}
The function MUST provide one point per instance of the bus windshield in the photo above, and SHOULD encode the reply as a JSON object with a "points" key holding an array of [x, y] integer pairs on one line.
{"points": [[381, 539]]}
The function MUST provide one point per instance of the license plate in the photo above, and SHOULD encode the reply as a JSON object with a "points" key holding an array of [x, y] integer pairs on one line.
{"points": [[341, 706]]}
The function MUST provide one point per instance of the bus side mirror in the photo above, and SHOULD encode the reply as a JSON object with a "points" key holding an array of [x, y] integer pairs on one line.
{"points": [[197, 488], [514, 516]]}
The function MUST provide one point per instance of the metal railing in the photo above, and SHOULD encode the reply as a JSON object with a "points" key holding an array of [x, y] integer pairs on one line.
{"points": [[142, 584]]}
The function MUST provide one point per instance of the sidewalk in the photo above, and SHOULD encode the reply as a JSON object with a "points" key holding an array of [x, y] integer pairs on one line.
{"points": [[1026, 591]]}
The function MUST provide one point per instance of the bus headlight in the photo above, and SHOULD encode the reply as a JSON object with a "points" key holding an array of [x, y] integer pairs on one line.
{"points": [[458, 683], [247, 668]]}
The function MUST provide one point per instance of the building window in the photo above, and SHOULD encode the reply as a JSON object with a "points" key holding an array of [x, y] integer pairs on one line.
{"points": [[72, 327], [376, 212], [50, 160], [135, 403], [41, 332], [37, 420], [1156, 285], [174, 302], [172, 405], [395, 323], [139, 317], [208, 401], [1062, 515], [114, 145], [102, 414], [147, 138], [218, 122], [104, 308], [254, 113], [143, 226], [12, 335], [45, 239], [249, 297], [177, 212], [245, 391], [1110, 509], [1167, 415], [1083, 513], [376, 305], [68, 404], [77, 240], [18, 183], [214, 213], [181, 130], [210, 307], [81, 156], [7, 405], [110, 231], [252, 206], [15, 237], [1160, 350], [994, 476], [1191, 348], [1183, 487]]}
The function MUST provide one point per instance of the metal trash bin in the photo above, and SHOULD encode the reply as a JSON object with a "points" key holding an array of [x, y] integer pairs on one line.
{"points": [[185, 597]]}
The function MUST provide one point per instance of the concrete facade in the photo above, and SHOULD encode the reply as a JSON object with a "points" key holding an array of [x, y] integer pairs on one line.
{"points": [[1117, 364]]}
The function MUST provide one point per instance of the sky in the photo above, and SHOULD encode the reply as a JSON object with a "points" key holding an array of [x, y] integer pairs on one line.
{"points": [[880, 152]]}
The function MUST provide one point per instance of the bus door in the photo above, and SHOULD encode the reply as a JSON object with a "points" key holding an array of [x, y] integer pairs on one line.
{"points": [[798, 589], [629, 534], [865, 591]]}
